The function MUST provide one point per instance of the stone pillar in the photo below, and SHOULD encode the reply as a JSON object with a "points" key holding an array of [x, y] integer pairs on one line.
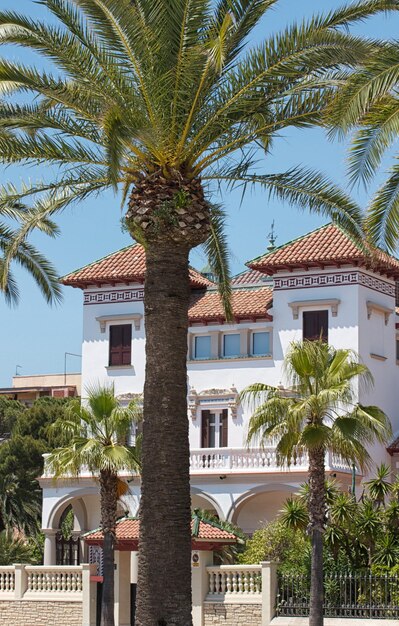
{"points": [[269, 591], [21, 581], [244, 342], [199, 583], [89, 595], [215, 348], [50, 553], [134, 567], [122, 588]]}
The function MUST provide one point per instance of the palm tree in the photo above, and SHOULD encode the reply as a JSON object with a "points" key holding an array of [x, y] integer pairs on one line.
{"points": [[15, 550], [368, 104], [317, 413], [20, 504], [97, 434], [163, 101], [380, 486]]}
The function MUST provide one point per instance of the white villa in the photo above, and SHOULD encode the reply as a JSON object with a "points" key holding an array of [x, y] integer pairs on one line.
{"points": [[321, 282]]}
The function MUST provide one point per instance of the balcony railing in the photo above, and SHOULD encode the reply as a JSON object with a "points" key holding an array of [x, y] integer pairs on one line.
{"points": [[238, 461], [242, 460]]}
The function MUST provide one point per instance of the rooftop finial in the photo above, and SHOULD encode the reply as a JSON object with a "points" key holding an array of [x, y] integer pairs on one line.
{"points": [[272, 238]]}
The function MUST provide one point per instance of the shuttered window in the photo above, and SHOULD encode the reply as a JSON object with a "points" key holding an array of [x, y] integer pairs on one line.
{"points": [[214, 432], [120, 344], [315, 325]]}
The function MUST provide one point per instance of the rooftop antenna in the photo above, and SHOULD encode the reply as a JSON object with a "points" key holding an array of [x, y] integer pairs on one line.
{"points": [[272, 238], [17, 367]]}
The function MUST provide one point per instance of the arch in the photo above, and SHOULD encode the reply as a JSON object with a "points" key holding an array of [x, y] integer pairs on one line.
{"points": [[205, 496], [75, 499]]}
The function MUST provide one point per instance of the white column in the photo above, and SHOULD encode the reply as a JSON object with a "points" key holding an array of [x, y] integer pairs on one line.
{"points": [[50, 554], [269, 591], [199, 583], [21, 581], [122, 588], [89, 601], [134, 567]]}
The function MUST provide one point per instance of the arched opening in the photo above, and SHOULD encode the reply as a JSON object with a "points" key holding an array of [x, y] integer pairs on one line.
{"points": [[68, 550], [203, 501], [258, 509]]}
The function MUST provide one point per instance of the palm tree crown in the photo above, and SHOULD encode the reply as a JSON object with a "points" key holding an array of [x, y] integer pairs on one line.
{"points": [[319, 408], [167, 90], [368, 104]]}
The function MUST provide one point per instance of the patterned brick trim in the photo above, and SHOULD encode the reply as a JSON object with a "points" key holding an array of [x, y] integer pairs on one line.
{"points": [[354, 277], [108, 297]]}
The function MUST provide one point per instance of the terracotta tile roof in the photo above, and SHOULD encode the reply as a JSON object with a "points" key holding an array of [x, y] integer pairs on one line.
{"points": [[328, 245], [393, 446], [249, 277], [247, 303], [126, 265], [128, 529]]}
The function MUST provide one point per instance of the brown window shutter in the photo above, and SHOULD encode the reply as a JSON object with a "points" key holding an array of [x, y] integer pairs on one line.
{"points": [[120, 344], [205, 415], [223, 429]]}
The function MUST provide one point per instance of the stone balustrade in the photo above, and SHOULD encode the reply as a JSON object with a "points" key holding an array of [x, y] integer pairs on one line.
{"points": [[7, 580], [50, 580], [235, 583], [240, 460]]}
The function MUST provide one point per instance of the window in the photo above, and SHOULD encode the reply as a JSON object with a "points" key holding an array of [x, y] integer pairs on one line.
{"points": [[202, 347], [315, 325], [120, 344], [214, 429], [231, 345], [260, 343]]}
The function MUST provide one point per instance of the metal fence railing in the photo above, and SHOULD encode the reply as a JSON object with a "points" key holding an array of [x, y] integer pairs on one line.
{"points": [[356, 595]]}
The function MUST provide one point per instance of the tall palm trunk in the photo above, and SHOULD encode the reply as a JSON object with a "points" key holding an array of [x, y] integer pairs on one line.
{"points": [[109, 501], [316, 528], [164, 573]]}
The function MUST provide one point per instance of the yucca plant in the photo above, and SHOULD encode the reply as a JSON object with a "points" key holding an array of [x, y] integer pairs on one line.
{"points": [[165, 101], [319, 414], [97, 432]]}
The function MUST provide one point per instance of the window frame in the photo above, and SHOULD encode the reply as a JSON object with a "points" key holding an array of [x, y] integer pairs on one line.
{"points": [[222, 354], [194, 345], [254, 332], [316, 336]]}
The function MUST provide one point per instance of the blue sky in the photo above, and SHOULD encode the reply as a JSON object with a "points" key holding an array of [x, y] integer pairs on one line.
{"points": [[36, 336]]}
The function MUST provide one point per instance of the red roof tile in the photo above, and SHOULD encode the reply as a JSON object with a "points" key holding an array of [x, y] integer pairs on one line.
{"points": [[249, 277], [247, 304], [128, 530], [126, 265], [328, 245]]}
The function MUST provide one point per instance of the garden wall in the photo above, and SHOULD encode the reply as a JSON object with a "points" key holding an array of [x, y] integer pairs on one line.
{"points": [[220, 614], [40, 613]]}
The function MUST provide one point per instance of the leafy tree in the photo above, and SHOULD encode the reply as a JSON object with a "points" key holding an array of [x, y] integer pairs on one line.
{"points": [[14, 550], [97, 433], [308, 417], [9, 410], [164, 101], [277, 542], [368, 104]]}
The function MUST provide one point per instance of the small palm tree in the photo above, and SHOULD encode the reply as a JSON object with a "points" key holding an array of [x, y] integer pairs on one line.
{"points": [[97, 434], [15, 550], [380, 486], [310, 418]]}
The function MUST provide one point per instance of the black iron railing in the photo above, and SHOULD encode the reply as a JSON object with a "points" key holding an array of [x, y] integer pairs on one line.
{"points": [[358, 595]]}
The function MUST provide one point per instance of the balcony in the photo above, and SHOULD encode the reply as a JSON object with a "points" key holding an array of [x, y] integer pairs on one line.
{"points": [[244, 461]]}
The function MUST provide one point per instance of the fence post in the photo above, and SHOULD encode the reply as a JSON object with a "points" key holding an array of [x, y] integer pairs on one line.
{"points": [[89, 594], [269, 591], [21, 581], [199, 583]]}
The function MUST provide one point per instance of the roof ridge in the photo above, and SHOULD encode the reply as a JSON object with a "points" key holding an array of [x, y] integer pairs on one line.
{"points": [[288, 243], [106, 256]]}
